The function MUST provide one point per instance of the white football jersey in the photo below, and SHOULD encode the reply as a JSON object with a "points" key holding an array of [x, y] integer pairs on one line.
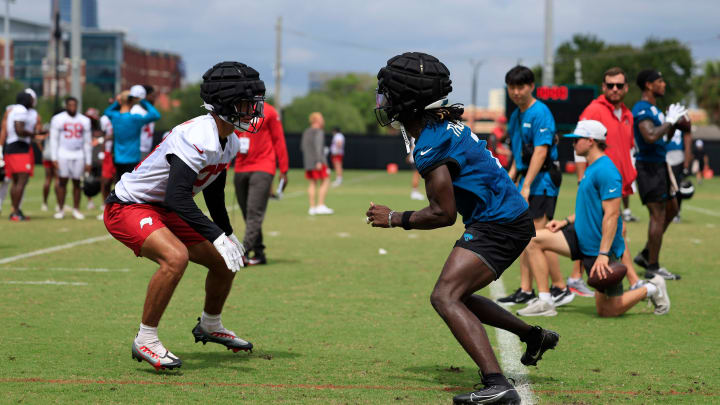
{"points": [[337, 146], [106, 127], [197, 143], [20, 113], [146, 133], [70, 137]]}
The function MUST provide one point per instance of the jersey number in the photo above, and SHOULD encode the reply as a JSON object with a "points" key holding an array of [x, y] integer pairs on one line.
{"points": [[73, 130], [208, 172]]}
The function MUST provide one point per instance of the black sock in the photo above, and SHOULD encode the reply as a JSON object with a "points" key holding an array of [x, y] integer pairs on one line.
{"points": [[495, 379], [645, 253], [653, 266]]}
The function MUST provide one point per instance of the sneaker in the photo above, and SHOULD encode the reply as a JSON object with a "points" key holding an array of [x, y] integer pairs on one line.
{"points": [[518, 297], [255, 260], [156, 354], [662, 272], [538, 307], [224, 337], [561, 297], [59, 215], [44, 207], [90, 205], [336, 183], [323, 210], [580, 288], [311, 211], [77, 214], [489, 394], [629, 217], [539, 342], [416, 195], [641, 260], [19, 217], [661, 300]]}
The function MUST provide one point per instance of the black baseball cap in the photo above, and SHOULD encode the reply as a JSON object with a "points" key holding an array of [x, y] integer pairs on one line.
{"points": [[647, 75]]}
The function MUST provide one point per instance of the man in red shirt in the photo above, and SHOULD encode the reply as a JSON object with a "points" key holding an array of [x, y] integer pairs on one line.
{"points": [[260, 154], [611, 111]]}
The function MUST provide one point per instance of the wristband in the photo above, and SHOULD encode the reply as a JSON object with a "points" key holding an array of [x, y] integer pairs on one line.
{"points": [[604, 254], [406, 220], [390, 225], [567, 219]]}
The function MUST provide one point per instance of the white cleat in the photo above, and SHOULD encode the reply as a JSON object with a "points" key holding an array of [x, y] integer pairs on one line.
{"points": [[416, 195], [77, 214], [538, 307], [44, 207], [59, 215], [323, 210], [156, 354]]}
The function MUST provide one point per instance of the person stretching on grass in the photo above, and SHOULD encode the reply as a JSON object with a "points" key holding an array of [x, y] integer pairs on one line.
{"points": [[460, 176], [152, 210], [593, 234]]}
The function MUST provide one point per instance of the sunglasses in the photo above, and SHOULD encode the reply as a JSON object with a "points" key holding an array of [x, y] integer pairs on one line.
{"points": [[615, 85]]}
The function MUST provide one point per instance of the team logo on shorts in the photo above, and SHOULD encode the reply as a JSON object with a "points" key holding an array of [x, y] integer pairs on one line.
{"points": [[145, 221], [467, 237]]}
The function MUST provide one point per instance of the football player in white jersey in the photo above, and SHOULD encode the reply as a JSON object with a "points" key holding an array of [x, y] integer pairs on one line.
{"points": [[152, 210], [70, 151]]}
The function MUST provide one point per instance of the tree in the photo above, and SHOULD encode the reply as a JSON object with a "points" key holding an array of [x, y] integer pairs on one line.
{"points": [[707, 90], [93, 97], [185, 104], [9, 90], [357, 90], [337, 113]]}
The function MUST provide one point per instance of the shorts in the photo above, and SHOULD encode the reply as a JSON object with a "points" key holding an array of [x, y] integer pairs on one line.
{"points": [[337, 159], [71, 168], [131, 224], [588, 261], [108, 167], [19, 163], [653, 180], [496, 244], [48, 164], [542, 206], [321, 174]]}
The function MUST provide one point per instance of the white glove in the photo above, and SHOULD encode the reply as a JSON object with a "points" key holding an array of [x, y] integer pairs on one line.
{"points": [[230, 252], [675, 112], [235, 240]]}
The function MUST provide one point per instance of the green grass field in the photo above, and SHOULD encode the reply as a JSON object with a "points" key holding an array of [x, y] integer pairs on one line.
{"points": [[333, 321]]}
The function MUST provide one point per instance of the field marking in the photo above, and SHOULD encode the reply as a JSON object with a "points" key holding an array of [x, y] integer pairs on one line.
{"points": [[46, 282], [701, 210], [510, 353], [55, 248], [333, 387], [71, 269]]}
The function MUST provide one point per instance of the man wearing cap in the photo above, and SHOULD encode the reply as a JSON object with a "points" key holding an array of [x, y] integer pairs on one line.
{"points": [[655, 181], [594, 233], [148, 94]]}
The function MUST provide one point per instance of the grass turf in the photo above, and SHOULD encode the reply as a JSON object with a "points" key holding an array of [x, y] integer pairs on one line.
{"points": [[332, 320]]}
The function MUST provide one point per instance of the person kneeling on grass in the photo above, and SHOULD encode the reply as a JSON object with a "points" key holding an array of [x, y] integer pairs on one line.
{"points": [[594, 233], [460, 176]]}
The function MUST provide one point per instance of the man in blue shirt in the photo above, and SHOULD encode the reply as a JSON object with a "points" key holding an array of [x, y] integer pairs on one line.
{"points": [[656, 184], [594, 233], [461, 176], [532, 133]]}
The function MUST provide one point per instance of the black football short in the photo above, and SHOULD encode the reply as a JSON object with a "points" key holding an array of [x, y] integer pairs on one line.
{"points": [[570, 235], [496, 244], [542, 206], [653, 180]]}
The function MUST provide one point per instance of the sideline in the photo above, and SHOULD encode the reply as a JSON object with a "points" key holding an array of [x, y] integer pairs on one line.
{"points": [[55, 249], [510, 352]]}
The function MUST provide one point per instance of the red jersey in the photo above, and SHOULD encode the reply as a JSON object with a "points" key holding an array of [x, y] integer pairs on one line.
{"points": [[264, 150], [620, 138]]}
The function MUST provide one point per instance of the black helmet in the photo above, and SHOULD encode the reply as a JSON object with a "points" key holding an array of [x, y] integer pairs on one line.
{"points": [[229, 83], [408, 84], [24, 99], [91, 185]]}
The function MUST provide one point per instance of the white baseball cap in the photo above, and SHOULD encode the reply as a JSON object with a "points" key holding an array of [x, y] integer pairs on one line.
{"points": [[589, 129], [137, 91]]}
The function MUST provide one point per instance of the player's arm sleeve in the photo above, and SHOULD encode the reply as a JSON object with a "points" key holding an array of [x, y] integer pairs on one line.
{"points": [[278, 140], [87, 144], [179, 198], [152, 113], [54, 140], [214, 195]]}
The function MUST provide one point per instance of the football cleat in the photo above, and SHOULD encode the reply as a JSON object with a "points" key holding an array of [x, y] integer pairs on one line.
{"points": [[489, 394], [224, 337], [539, 343], [156, 354], [662, 272], [256, 260], [518, 297]]}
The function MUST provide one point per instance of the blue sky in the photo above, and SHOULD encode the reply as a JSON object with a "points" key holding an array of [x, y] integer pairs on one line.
{"points": [[324, 35]]}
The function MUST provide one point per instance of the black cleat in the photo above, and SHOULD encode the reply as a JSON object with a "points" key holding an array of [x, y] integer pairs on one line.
{"points": [[518, 297], [225, 337], [662, 272], [538, 343], [492, 394], [255, 260]]}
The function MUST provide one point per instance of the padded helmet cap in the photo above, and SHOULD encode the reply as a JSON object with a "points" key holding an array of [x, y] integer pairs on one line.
{"points": [[226, 83]]}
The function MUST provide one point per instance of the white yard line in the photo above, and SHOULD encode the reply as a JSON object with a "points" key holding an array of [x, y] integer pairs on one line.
{"points": [[69, 269], [46, 282], [510, 352], [55, 249], [701, 210]]}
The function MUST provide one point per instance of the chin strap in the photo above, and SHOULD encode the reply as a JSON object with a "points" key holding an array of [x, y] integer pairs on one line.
{"points": [[405, 137]]}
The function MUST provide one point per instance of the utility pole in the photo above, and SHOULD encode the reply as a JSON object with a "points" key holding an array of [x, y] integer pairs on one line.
{"points": [[278, 65], [7, 40], [578, 72], [57, 37], [75, 51], [548, 67], [475, 67]]}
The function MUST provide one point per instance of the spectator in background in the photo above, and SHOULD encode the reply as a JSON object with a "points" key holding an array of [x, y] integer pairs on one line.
{"points": [[148, 130], [98, 138], [496, 142], [255, 166], [315, 163], [107, 173], [678, 156], [701, 158], [337, 151], [127, 126]]}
